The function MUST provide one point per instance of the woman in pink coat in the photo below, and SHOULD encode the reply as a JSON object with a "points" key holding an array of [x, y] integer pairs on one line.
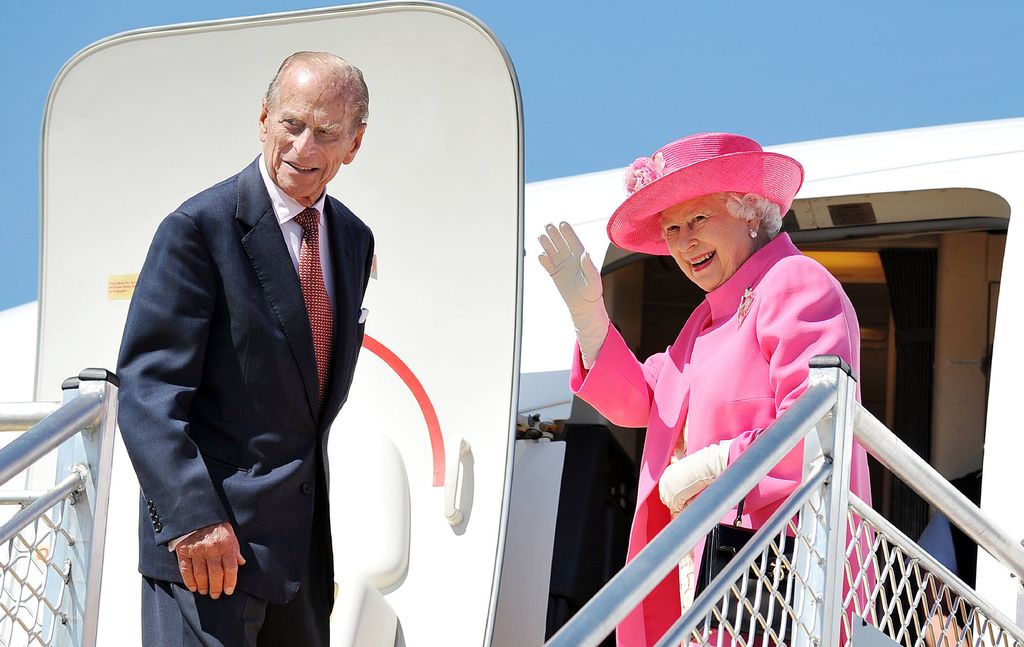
{"points": [[714, 202]]}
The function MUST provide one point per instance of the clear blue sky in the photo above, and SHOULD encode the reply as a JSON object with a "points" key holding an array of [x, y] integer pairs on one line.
{"points": [[602, 82]]}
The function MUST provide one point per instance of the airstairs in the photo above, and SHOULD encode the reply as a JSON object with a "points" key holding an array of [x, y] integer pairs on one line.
{"points": [[825, 569]]}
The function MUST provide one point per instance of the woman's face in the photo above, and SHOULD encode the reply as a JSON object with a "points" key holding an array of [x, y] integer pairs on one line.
{"points": [[707, 242]]}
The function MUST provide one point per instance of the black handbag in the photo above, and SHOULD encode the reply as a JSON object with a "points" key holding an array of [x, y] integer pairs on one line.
{"points": [[723, 542]]}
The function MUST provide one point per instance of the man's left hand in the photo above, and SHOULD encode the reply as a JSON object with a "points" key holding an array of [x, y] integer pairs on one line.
{"points": [[208, 560]]}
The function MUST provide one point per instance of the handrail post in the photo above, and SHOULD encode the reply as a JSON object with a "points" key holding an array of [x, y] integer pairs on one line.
{"points": [[93, 448], [834, 438], [62, 553]]}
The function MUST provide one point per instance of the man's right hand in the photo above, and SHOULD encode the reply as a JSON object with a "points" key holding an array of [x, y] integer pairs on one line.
{"points": [[579, 283], [208, 560]]}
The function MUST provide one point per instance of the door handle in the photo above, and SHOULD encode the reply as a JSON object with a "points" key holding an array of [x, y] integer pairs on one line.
{"points": [[451, 482]]}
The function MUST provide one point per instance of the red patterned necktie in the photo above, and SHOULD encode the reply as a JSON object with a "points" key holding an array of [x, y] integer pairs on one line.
{"points": [[314, 293]]}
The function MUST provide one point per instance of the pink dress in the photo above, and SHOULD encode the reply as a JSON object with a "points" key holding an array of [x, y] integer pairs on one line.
{"points": [[730, 373]]}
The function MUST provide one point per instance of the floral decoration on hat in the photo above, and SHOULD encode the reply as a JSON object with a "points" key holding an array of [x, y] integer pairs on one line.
{"points": [[643, 171]]}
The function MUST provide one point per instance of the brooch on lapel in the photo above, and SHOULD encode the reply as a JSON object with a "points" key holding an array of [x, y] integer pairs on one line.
{"points": [[745, 301]]}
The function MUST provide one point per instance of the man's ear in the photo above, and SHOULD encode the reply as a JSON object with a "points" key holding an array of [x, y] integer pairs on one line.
{"points": [[263, 120], [357, 141]]}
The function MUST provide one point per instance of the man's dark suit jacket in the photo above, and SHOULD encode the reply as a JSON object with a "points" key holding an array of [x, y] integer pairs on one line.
{"points": [[219, 398]]}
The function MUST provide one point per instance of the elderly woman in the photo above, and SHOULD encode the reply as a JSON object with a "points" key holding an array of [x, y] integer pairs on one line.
{"points": [[714, 202]]}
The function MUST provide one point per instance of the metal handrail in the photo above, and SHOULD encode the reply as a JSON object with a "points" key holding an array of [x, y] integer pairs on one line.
{"points": [[20, 497], [47, 434], [72, 483], [913, 470], [907, 545], [82, 431], [631, 585], [19, 416]]}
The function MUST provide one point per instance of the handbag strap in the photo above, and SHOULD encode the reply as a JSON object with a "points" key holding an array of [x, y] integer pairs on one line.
{"points": [[739, 512]]}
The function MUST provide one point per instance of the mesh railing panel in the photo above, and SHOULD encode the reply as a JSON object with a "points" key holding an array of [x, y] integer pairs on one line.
{"points": [[912, 600], [35, 576], [772, 602], [886, 583]]}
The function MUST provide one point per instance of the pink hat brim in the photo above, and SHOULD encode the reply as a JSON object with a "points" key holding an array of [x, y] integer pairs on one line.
{"points": [[635, 226]]}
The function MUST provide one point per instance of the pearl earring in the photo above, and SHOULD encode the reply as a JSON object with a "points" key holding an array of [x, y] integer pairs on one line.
{"points": [[753, 234]]}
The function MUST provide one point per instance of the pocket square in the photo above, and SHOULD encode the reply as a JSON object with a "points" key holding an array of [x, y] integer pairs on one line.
{"points": [[363, 314]]}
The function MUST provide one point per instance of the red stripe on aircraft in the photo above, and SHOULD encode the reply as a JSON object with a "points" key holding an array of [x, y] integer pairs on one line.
{"points": [[429, 415]]}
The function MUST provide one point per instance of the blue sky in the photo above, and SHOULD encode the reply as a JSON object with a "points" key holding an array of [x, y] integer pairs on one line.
{"points": [[602, 82]]}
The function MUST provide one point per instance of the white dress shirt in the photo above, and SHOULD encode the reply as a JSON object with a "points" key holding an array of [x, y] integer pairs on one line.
{"points": [[286, 208]]}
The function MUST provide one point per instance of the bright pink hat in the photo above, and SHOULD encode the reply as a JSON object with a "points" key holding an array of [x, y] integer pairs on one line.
{"points": [[694, 166]]}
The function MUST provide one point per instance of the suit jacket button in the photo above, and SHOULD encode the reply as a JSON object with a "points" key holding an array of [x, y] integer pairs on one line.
{"points": [[306, 488], [157, 527]]}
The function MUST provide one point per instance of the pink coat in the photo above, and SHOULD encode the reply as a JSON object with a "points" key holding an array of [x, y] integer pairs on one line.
{"points": [[730, 376]]}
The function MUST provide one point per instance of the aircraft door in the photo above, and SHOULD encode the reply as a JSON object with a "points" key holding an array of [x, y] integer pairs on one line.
{"points": [[139, 122]]}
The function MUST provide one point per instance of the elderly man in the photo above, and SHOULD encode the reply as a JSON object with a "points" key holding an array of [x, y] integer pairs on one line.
{"points": [[237, 355]]}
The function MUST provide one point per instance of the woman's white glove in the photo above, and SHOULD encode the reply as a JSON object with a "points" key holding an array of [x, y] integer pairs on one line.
{"points": [[684, 479], [579, 283]]}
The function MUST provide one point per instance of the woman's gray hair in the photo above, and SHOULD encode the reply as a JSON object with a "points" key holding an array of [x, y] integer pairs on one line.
{"points": [[755, 208]]}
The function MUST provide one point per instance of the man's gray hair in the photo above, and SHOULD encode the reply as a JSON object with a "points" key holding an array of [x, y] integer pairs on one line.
{"points": [[349, 79], [755, 208]]}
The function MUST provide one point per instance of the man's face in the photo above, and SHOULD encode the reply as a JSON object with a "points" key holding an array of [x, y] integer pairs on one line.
{"points": [[307, 134]]}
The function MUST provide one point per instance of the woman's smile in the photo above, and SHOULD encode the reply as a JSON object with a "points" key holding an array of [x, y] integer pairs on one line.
{"points": [[702, 261]]}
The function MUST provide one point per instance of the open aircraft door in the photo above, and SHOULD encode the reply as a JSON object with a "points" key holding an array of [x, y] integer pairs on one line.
{"points": [[139, 122]]}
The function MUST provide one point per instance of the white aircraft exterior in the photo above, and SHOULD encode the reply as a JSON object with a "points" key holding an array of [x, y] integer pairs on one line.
{"points": [[438, 511]]}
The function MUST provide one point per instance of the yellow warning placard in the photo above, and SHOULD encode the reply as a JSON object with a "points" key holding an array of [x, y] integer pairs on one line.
{"points": [[121, 286]]}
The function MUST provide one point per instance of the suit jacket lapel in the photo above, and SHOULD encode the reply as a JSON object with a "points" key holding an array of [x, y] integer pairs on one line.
{"points": [[269, 257], [346, 308]]}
